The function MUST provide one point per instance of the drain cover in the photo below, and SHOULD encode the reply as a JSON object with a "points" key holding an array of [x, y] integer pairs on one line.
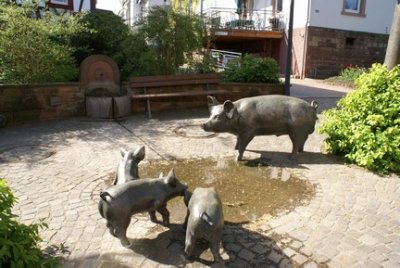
{"points": [[26, 153], [193, 131]]}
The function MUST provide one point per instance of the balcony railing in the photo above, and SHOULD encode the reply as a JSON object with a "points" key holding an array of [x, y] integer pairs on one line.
{"points": [[257, 20]]}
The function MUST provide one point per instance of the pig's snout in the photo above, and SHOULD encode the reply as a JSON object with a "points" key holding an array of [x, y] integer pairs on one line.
{"points": [[205, 127]]}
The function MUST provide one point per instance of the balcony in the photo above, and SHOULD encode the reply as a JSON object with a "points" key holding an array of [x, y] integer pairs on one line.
{"points": [[231, 24]]}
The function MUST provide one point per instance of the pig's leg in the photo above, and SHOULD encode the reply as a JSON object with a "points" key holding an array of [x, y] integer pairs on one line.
{"points": [[301, 149], [111, 228], [243, 140], [237, 143], [165, 214], [153, 217], [186, 219], [120, 230], [298, 139], [214, 246], [190, 241]]}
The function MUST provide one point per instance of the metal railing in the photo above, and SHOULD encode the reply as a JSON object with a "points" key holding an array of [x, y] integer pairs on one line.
{"points": [[250, 19]]}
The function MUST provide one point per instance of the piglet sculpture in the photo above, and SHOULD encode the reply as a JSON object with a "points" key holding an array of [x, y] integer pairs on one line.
{"points": [[119, 202], [263, 115], [204, 219], [128, 166]]}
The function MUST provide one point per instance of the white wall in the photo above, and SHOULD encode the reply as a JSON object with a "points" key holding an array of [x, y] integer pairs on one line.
{"points": [[219, 4], [379, 14], [113, 5], [327, 14]]}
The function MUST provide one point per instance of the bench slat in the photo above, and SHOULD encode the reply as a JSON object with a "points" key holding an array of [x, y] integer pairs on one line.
{"points": [[178, 94], [162, 78], [173, 83]]}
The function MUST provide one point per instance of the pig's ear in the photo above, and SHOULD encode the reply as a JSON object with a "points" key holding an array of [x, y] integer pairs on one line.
{"points": [[123, 152], [211, 101], [171, 178], [229, 109], [139, 154]]}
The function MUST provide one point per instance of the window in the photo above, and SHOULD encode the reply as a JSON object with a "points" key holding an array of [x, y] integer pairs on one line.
{"points": [[64, 4], [350, 41], [59, 2], [279, 5], [354, 7]]}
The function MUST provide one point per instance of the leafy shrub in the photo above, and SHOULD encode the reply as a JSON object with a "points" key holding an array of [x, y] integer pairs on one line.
{"points": [[34, 50], [365, 127], [105, 33], [18, 242], [347, 76], [352, 73], [200, 64], [250, 69], [172, 38]]}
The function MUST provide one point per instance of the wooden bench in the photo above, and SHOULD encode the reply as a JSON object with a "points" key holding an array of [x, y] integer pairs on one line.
{"points": [[148, 87]]}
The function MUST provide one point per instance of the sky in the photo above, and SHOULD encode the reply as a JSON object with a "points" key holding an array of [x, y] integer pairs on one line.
{"points": [[113, 5]]}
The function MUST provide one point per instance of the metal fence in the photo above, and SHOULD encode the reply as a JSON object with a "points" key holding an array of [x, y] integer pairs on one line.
{"points": [[250, 19]]}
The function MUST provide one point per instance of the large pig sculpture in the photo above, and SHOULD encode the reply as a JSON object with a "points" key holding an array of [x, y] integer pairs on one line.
{"points": [[119, 202], [204, 220], [263, 115]]}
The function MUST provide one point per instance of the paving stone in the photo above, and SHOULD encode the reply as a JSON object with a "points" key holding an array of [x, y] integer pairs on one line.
{"points": [[259, 249], [310, 264], [299, 259], [289, 252], [233, 247], [246, 254], [275, 257]]}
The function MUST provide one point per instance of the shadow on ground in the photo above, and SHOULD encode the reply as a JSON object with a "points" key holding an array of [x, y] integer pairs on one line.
{"points": [[283, 159], [241, 248]]}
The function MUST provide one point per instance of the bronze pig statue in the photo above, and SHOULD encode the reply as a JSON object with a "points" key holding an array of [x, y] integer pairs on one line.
{"points": [[119, 202], [128, 166], [263, 115], [204, 219]]}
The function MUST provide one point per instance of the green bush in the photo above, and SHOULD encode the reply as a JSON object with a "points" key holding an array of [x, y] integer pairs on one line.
{"points": [[34, 50], [18, 242], [352, 73], [347, 76], [105, 33], [173, 39], [365, 127], [250, 69]]}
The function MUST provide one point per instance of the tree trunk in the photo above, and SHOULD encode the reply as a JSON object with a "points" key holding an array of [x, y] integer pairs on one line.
{"points": [[392, 57]]}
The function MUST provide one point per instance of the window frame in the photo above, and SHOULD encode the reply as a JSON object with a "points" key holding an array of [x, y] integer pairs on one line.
{"points": [[55, 4], [360, 12]]}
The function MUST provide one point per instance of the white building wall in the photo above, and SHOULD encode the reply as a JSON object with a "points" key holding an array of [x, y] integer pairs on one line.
{"points": [[328, 14], [219, 3], [378, 19]]}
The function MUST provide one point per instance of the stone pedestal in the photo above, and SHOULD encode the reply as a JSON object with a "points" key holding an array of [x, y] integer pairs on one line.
{"points": [[99, 107]]}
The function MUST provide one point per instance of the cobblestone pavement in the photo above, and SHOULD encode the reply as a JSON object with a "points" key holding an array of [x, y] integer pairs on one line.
{"points": [[57, 168]]}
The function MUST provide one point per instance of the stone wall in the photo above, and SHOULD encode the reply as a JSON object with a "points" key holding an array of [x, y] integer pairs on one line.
{"points": [[235, 92], [60, 100], [331, 50], [41, 101]]}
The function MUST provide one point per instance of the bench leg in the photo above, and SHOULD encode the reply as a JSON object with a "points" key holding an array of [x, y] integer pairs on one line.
{"points": [[148, 104], [148, 108]]}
